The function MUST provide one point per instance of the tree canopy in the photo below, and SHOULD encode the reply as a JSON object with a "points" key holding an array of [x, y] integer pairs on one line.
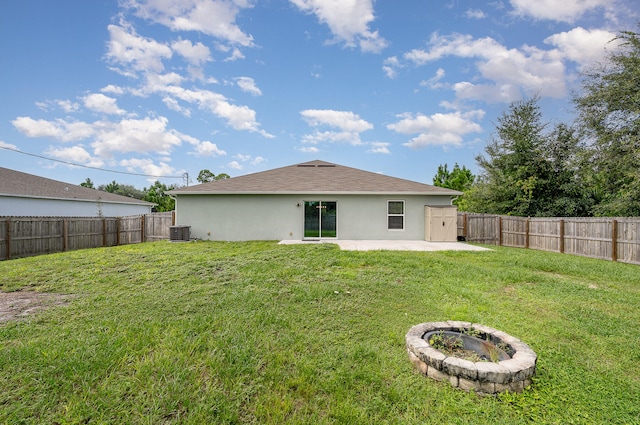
{"points": [[205, 176], [586, 168], [609, 117], [458, 179], [528, 170], [156, 194], [87, 183]]}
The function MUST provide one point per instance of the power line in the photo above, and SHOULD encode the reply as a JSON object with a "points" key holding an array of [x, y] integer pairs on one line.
{"points": [[88, 166]]}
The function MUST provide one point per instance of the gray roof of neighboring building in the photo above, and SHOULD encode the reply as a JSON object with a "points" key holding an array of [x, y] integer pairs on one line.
{"points": [[16, 183], [314, 177]]}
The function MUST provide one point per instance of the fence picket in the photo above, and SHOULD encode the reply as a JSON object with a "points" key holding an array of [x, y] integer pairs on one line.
{"points": [[616, 239], [27, 236]]}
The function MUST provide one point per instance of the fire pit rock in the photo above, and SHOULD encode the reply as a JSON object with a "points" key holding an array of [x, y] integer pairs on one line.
{"points": [[512, 372]]}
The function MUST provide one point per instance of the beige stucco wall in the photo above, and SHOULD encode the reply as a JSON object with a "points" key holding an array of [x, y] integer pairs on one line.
{"points": [[278, 217]]}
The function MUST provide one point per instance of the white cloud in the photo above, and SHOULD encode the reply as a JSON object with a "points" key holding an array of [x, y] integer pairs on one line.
{"points": [[8, 145], [438, 129], [112, 89], [147, 166], [175, 106], [508, 72], [236, 54], [133, 52], [148, 135], [76, 154], [216, 18], [434, 82], [582, 46], [309, 149], [98, 102], [250, 159], [238, 117], [344, 120], [208, 149], [242, 157], [247, 84], [390, 66], [350, 126], [379, 147], [475, 14], [196, 54], [332, 137], [60, 129], [348, 20], [235, 165], [68, 106], [563, 11]]}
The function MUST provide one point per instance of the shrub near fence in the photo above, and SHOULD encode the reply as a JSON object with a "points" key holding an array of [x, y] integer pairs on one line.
{"points": [[27, 236], [616, 239]]}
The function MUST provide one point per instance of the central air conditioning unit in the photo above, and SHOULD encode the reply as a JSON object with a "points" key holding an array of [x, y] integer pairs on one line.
{"points": [[179, 233]]}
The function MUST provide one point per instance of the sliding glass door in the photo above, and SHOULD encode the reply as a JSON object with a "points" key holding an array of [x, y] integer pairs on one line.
{"points": [[320, 219]]}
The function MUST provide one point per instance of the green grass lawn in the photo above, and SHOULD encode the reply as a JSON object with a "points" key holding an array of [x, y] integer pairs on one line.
{"points": [[262, 333]]}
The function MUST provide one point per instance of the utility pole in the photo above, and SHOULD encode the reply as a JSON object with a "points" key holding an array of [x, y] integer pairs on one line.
{"points": [[185, 179]]}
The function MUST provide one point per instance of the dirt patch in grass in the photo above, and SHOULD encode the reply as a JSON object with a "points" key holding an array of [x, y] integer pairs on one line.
{"points": [[14, 305]]}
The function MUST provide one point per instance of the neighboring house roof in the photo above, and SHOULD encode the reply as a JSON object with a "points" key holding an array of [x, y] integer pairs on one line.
{"points": [[314, 177], [16, 183]]}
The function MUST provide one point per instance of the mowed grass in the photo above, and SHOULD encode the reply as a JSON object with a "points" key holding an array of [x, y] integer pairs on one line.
{"points": [[261, 333]]}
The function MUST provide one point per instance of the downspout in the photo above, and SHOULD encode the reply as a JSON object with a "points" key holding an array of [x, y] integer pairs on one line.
{"points": [[175, 209]]}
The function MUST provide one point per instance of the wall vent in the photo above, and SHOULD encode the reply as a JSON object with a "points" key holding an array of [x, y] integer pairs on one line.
{"points": [[179, 233]]}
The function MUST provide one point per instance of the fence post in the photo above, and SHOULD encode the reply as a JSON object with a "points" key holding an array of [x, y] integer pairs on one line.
{"points": [[142, 224], [526, 233], [561, 241], [465, 225], [500, 230], [65, 235], [9, 238], [614, 240], [173, 217], [104, 232], [117, 231]]}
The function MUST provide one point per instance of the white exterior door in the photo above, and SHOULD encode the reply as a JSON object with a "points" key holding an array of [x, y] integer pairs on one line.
{"points": [[441, 224]]}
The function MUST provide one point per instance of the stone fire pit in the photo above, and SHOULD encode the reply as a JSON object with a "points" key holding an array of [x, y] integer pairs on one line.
{"points": [[510, 368]]}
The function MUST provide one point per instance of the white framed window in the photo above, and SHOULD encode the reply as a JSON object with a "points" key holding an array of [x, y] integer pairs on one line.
{"points": [[395, 215]]}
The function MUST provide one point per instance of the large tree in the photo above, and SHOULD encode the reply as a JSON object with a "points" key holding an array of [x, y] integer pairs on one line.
{"points": [[529, 171], [512, 168], [156, 194], [87, 183], [205, 176], [609, 115], [122, 189], [457, 179], [460, 179]]}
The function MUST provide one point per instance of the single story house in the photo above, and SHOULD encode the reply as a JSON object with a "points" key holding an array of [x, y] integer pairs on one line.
{"points": [[317, 200], [27, 195]]}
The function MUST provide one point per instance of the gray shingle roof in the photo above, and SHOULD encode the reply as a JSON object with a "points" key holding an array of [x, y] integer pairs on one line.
{"points": [[314, 177], [16, 183]]}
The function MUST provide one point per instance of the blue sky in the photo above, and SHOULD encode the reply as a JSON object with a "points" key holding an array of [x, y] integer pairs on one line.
{"points": [[164, 88]]}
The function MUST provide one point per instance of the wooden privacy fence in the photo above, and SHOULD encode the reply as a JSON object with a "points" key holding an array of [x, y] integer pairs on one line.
{"points": [[27, 236], [616, 239]]}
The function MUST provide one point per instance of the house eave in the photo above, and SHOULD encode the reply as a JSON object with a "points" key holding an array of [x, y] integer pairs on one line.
{"points": [[329, 193], [52, 198]]}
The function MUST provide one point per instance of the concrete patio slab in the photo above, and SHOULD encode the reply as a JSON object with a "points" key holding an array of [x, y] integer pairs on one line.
{"points": [[392, 245]]}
